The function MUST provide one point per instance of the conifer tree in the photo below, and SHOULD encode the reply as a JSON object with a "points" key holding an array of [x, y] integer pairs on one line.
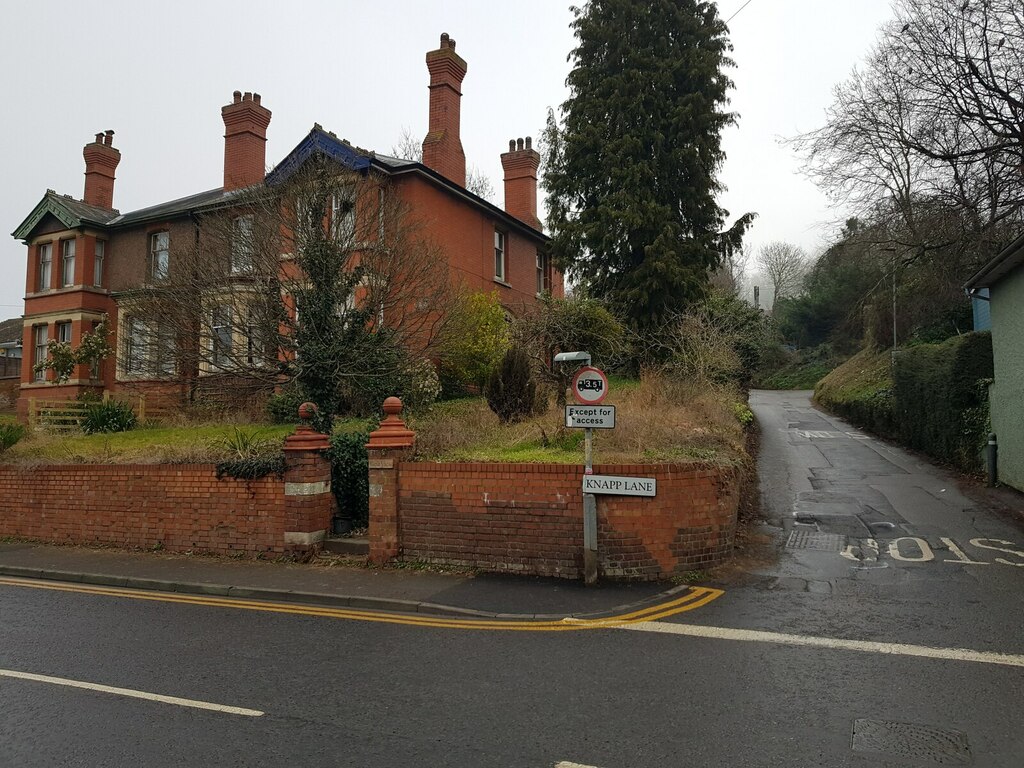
{"points": [[631, 172]]}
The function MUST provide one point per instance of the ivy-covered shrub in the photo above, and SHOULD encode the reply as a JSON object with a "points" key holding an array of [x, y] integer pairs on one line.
{"points": [[350, 480], [108, 416], [510, 390], [252, 467], [9, 435]]}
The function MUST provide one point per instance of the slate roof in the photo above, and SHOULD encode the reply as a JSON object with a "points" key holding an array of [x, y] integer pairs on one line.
{"points": [[1008, 259], [74, 213], [10, 330], [175, 207]]}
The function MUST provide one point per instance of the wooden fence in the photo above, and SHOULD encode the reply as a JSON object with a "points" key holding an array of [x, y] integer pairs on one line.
{"points": [[10, 367], [66, 415]]}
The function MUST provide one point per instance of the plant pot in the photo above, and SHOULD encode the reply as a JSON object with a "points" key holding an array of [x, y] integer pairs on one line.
{"points": [[340, 526]]}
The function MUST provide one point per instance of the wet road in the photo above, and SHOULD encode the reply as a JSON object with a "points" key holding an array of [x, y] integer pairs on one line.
{"points": [[861, 645]]}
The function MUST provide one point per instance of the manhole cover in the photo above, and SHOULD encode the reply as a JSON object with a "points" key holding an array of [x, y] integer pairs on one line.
{"points": [[920, 742], [823, 542]]}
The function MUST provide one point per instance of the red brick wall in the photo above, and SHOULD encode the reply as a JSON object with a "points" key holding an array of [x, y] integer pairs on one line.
{"points": [[466, 235], [528, 518], [178, 507]]}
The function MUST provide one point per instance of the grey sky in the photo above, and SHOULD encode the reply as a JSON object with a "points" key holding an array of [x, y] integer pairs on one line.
{"points": [[157, 74]]}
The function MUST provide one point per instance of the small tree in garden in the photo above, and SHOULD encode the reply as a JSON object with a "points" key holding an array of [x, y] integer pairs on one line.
{"points": [[61, 358], [568, 325], [510, 390]]}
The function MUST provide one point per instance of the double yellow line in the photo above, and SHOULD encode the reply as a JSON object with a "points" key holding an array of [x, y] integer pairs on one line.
{"points": [[695, 597]]}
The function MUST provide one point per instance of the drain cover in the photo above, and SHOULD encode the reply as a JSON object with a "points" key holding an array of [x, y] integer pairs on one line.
{"points": [[823, 542], [918, 742]]}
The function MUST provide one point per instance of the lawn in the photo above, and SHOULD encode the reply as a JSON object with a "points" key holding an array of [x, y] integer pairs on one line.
{"points": [[150, 445], [657, 421]]}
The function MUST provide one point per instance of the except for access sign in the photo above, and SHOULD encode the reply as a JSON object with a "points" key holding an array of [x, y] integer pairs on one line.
{"points": [[590, 385], [590, 416], [620, 486]]}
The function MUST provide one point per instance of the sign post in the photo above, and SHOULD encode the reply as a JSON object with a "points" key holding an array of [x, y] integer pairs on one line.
{"points": [[589, 388]]}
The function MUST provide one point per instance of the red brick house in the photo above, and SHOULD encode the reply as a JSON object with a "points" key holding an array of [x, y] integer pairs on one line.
{"points": [[83, 254]]}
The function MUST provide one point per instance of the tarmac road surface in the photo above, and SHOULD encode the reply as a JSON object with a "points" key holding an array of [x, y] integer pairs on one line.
{"points": [[886, 632]]}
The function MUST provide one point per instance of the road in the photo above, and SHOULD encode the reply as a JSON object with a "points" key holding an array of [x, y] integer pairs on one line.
{"points": [[903, 641]]}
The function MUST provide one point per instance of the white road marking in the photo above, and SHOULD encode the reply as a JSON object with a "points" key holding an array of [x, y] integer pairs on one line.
{"points": [[131, 693], [564, 764], [832, 643], [977, 543], [961, 556], [926, 551]]}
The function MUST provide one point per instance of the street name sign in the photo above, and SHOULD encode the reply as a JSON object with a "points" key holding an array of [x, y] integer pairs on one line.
{"points": [[589, 385], [620, 486], [590, 416]]}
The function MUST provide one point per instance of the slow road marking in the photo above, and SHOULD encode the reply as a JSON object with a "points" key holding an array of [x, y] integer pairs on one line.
{"points": [[695, 597], [833, 643], [130, 693]]}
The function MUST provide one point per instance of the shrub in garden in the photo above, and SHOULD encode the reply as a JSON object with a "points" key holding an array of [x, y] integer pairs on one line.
{"points": [[9, 435], [510, 390], [109, 416], [476, 337], [283, 407]]}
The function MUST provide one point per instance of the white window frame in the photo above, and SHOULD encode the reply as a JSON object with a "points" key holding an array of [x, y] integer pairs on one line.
{"points": [[500, 256], [159, 255], [343, 225], [148, 350], [45, 267], [67, 263], [241, 245], [40, 351], [63, 329], [543, 273], [97, 265], [222, 341]]}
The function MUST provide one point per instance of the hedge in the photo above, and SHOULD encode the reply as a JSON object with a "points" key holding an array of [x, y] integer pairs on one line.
{"points": [[935, 398], [941, 398]]}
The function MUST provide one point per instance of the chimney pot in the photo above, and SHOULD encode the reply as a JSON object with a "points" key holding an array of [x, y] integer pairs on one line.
{"points": [[521, 164], [245, 140], [442, 146], [101, 161]]}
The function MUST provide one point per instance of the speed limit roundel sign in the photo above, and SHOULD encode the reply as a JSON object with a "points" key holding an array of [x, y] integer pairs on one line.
{"points": [[590, 385]]}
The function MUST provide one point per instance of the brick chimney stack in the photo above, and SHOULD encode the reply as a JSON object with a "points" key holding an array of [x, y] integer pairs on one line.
{"points": [[442, 147], [101, 161], [245, 140], [521, 163]]}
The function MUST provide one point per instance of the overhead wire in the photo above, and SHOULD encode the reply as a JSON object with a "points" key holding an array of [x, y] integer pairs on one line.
{"points": [[738, 11]]}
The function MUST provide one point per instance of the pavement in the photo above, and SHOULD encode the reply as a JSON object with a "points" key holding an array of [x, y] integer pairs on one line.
{"points": [[324, 582]]}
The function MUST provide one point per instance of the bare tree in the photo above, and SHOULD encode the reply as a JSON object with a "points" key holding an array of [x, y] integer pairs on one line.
{"points": [[785, 266], [410, 148], [731, 274], [323, 280]]}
